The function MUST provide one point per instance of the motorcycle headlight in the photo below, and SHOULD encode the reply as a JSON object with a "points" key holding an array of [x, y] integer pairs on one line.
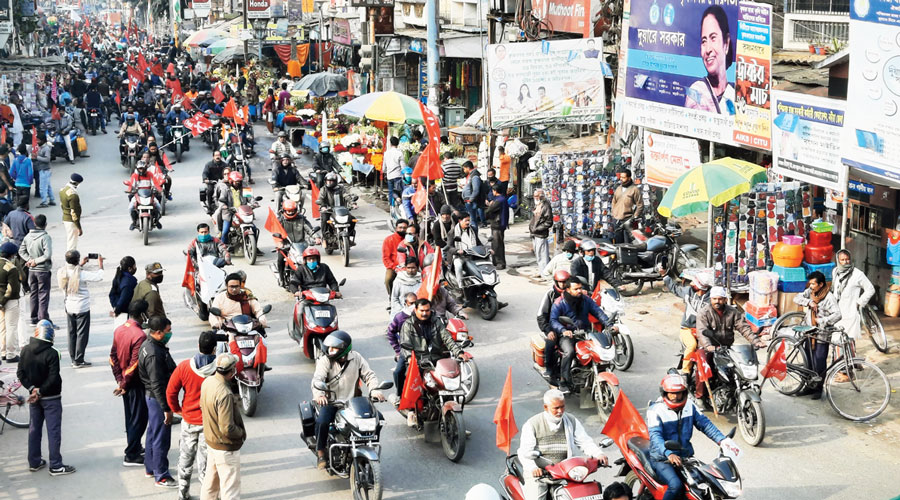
{"points": [[749, 372], [489, 278], [732, 489], [366, 424], [451, 384], [578, 474]]}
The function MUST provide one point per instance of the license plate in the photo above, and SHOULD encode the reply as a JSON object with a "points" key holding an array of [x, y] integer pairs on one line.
{"points": [[322, 314], [593, 497], [451, 393], [246, 344]]}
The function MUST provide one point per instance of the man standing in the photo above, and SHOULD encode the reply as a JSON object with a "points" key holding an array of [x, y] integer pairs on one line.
{"points": [[73, 280], [70, 203], [148, 289], [35, 251], [19, 221], [22, 173], [452, 173], [498, 213], [505, 162], [389, 255], [39, 373], [155, 366], [627, 203], [224, 432], [539, 227], [189, 377], [42, 165], [393, 168], [471, 193], [123, 358], [10, 339]]}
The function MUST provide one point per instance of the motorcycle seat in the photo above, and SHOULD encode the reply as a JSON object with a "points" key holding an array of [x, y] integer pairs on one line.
{"points": [[515, 466], [636, 247], [641, 448]]}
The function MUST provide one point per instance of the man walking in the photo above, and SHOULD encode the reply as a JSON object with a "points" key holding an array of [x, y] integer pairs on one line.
{"points": [[39, 373], [35, 250], [123, 358], [73, 280], [42, 165], [10, 338], [148, 289], [539, 227], [498, 214], [393, 168], [22, 174], [471, 193], [70, 203], [155, 366], [189, 377], [224, 432]]}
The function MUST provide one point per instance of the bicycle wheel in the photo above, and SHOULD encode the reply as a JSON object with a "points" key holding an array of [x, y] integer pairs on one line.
{"points": [[861, 398], [874, 327], [796, 359], [788, 320], [13, 409]]}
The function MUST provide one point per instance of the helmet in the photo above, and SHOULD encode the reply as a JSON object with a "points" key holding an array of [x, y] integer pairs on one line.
{"points": [[482, 491], [129, 117], [331, 179], [140, 165], [235, 177], [289, 209], [282, 134], [588, 245], [44, 331], [561, 275], [673, 382], [311, 252], [342, 341], [176, 106]]}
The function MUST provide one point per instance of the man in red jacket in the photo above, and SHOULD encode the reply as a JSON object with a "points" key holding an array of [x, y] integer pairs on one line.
{"points": [[389, 255], [188, 377], [123, 359]]}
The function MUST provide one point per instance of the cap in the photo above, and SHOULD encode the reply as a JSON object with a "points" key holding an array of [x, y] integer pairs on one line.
{"points": [[76, 178], [225, 361], [9, 248], [717, 292], [156, 267], [446, 210]]}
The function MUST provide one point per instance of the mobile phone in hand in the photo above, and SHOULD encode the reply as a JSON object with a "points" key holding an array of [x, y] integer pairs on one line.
{"points": [[94, 256]]}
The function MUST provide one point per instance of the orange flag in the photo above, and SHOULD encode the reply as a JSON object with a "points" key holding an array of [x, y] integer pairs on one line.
{"points": [[624, 422], [419, 199], [413, 387], [431, 278], [217, 94], [188, 281], [230, 110], [273, 225], [313, 196], [777, 366], [503, 416]]}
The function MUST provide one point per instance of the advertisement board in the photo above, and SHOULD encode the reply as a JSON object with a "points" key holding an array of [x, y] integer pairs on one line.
{"points": [[806, 139], [340, 32], [569, 16], [753, 74], [871, 136], [546, 82], [258, 9], [666, 158], [201, 8]]}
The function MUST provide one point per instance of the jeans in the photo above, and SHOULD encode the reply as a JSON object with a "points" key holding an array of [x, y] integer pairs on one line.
{"points": [[79, 333], [476, 214], [159, 439], [393, 184], [541, 251], [499, 247], [669, 476], [49, 411], [226, 226], [46, 190], [323, 422], [23, 194], [818, 356], [552, 360], [39, 281], [135, 403], [400, 375]]}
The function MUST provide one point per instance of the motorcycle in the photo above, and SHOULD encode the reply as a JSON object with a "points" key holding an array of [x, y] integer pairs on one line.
{"points": [[180, 141], [248, 335], [58, 140], [337, 234], [353, 446], [247, 140], [243, 233], [566, 479], [653, 249], [132, 151], [479, 279], [94, 120], [209, 280], [213, 134], [314, 319], [610, 301], [735, 386], [147, 213], [208, 203], [235, 153], [592, 368], [291, 252], [467, 367]]}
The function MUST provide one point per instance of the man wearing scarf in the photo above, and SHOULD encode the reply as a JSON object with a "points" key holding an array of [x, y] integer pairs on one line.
{"points": [[235, 301], [853, 290], [821, 311]]}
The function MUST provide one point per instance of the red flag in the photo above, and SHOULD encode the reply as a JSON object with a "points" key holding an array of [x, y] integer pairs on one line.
{"points": [[429, 163], [314, 195], [134, 79], [166, 162], [170, 69], [142, 64], [503, 416], [54, 113], [431, 278], [624, 422], [704, 372], [85, 41], [34, 141], [198, 124], [188, 280], [412, 389], [217, 94], [240, 117], [3, 135], [118, 99], [273, 225], [230, 110], [157, 70], [777, 365], [178, 95], [419, 199]]}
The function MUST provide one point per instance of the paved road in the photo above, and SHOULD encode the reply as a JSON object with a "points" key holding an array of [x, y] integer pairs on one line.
{"points": [[808, 452]]}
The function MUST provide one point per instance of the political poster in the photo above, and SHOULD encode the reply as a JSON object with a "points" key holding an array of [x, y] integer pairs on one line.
{"points": [[666, 158], [871, 136], [806, 139], [546, 82], [753, 74]]}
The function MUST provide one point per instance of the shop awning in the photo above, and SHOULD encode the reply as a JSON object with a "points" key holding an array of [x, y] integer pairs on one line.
{"points": [[468, 47]]}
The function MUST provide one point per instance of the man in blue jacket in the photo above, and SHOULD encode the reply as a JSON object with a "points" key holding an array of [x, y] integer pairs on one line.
{"points": [[673, 417], [22, 174], [575, 305]]}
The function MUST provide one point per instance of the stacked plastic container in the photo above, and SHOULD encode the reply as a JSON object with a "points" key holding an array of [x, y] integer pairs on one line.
{"points": [[892, 295], [760, 309], [788, 258]]}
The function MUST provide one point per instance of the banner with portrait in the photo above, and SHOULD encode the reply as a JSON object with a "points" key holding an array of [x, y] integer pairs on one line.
{"points": [[546, 82]]}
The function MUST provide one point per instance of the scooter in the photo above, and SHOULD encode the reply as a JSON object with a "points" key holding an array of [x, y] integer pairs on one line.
{"points": [[592, 368], [248, 336], [243, 233], [479, 279], [610, 301], [314, 319], [353, 445], [566, 479], [209, 281], [717, 480]]}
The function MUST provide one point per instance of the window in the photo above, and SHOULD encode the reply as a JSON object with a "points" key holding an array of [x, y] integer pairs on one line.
{"points": [[866, 219]]}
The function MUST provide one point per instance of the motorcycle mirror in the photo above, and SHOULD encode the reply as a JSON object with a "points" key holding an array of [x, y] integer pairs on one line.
{"points": [[267, 308], [531, 454], [342, 282], [258, 198], [320, 385], [731, 432], [606, 442], [215, 311], [675, 445], [402, 249], [385, 385]]}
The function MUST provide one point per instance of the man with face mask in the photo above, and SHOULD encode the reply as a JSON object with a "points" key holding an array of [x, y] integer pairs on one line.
{"points": [[235, 301], [557, 435], [627, 202], [409, 280], [213, 172], [148, 289], [314, 274], [325, 163], [155, 366], [333, 196], [207, 244], [589, 267]]}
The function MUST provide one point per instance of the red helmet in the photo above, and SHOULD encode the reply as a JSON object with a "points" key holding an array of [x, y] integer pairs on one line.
{"points": [[289, 209], [673, 382], [561, 275], [235, 177], [311, 252]]}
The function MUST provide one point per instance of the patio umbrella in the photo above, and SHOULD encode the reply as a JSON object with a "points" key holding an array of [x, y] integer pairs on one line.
{"points": [[202, 35], [228, 55], [384, 106], [221, 44], [322, 84], [715, 182]]}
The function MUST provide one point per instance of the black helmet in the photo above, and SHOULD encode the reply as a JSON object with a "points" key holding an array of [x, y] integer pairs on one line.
{"points": [[331, 180], [342, 341]]}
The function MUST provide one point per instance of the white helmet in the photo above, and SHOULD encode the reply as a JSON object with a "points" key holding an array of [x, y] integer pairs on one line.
{"points": [[482, 491]]}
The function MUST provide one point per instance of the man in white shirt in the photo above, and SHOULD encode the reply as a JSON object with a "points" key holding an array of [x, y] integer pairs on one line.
{"points": [[73, 281], [393, 167], [558, 436], [18, 129]]}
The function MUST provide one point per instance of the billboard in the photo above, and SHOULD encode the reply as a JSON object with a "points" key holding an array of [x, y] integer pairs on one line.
{"points": [[666, 158], [680, 74], [569, 16], [871, 137], [258, 9], [546, 82], [753, 74], [806, 139]]}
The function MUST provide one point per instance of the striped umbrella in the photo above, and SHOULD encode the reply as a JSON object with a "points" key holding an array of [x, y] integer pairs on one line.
{"points": [[202, 35], [715, 182], [384, 106], [222, 44]]}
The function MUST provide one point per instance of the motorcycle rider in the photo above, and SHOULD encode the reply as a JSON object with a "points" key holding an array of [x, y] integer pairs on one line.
{"points": [[295, 228], [343, 370], [156, 161], [393, 329], [141, 179], [94, 100], [695, 297], [234, 301], [673, 417], [281, 148], [207, 244], [423, 334], [229, 199], [213, 173], [325, 164], [575, 305], [130, 127], [314, 274], [442, 227], [176, 116], [463, 237], [557, 435], [589, 268], [551, 339], [333, 196], [283, 175]]}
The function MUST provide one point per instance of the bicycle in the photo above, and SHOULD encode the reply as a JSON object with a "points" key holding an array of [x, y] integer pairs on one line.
{"points": [[870, 323], [863, 396], [13, 396]]}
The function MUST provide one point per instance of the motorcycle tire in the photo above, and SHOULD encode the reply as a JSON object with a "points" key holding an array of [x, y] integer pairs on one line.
{"points": [[688, 260], [623, 360], [179, 150], [632, 480], [130, 164], [453, 435], [752, 422], [345, 249], [604, 395], [366, 480], [628, 288], [250, 248], [474, 377], [162, 205], [249, 397], [487, 307], [145, 230]]}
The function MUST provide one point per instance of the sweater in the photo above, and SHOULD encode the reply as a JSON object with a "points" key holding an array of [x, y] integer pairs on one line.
{"points": [[403, 284], [38, 247], [124, 353], [389, 251], [9, 281], [189, 375], [39, 367]]}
